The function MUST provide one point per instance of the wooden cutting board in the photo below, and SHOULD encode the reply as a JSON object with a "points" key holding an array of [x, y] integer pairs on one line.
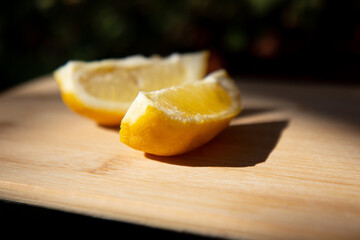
{"points": [[288, 167]]}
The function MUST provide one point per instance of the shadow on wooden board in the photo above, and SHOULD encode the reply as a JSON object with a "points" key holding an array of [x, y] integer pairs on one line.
{"points": [[242, 145]]}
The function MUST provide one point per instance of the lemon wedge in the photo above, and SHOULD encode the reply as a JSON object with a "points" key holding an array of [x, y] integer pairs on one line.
{"points": [[178, 119], [103, 90]]}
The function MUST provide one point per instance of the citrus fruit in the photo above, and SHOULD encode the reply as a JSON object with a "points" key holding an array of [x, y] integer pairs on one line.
{"points": [[103, 90], [178, 119]]}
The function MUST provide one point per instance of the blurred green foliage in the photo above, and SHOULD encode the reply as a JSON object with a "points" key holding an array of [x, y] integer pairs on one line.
{"points": [[246, 36]]}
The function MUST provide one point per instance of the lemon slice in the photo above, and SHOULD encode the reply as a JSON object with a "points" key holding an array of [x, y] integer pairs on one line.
{"points": [[103, 90], [178, 119]]}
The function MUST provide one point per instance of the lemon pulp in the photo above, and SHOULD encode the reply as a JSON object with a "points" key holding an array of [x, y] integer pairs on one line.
{"points": [[178, 119], [103, 90]]}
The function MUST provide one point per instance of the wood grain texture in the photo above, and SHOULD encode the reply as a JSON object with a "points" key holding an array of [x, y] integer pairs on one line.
{"points": [[288, 167]]}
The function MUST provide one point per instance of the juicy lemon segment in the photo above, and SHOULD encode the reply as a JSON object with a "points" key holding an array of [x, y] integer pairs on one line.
{"points": [[103, 90], [178, 119], [204, 95]]}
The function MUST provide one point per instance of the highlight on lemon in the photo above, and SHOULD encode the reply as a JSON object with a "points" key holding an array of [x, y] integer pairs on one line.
{"points": [[103, 90], [178, 119]]}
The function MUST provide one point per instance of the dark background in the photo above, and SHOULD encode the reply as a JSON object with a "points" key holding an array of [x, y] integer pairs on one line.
{"points": [[289, 40], [21, 221]]}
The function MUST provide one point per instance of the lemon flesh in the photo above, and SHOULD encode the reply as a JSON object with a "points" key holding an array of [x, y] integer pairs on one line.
{"points": [[103, 90], [178, 119]]}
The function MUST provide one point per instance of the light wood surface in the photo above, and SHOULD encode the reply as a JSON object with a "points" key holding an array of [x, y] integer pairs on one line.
{"points": [[287, 168]]}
